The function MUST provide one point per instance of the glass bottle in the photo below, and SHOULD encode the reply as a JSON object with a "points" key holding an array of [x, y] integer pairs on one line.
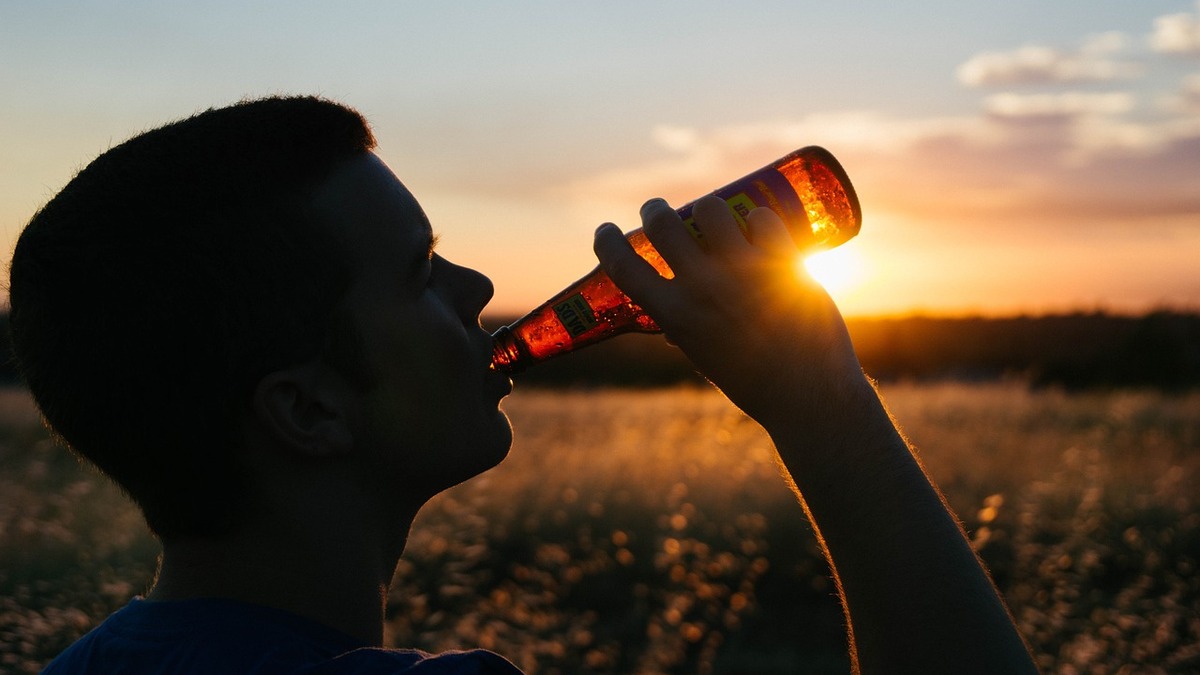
{"points": [[808, 189]]}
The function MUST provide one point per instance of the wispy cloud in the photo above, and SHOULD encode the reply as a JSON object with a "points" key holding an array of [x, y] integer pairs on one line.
{"points": [[1177, 33], [1097, 60], [1054, 157], [1059, 105], [1071, 156], [1187, 100]]}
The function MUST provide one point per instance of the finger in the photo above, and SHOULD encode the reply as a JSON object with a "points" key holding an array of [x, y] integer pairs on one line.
{"points": [[666, 231], [768, 231], [715, 220], [633, 275]]}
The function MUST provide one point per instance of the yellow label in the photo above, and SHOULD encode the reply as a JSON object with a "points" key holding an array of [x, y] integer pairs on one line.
{"points": [[742, 206], [739, 203], [576, 315]]}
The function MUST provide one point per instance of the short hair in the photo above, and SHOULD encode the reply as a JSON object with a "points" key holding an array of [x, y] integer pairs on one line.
{"points": [[151, 295]]}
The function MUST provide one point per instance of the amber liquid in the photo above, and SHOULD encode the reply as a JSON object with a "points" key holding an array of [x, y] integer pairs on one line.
{"points": [[807, 188]]}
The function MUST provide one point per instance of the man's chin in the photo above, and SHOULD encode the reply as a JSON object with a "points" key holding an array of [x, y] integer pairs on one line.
{"points": [[499, 451], [483, 457]]}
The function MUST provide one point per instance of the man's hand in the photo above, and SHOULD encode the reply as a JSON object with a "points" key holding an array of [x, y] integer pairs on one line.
{"points": [[738, 307]]}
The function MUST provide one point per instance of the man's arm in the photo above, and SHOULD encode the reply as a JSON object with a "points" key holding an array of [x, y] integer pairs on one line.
{"points": [[917, 598]]}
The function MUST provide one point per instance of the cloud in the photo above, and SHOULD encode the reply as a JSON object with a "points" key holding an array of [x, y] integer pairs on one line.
{"points": [[1184, 100], [1033, 64], [695, 161], [1061, 105], [1056, 161], [1189, 94], [1177, 34]]}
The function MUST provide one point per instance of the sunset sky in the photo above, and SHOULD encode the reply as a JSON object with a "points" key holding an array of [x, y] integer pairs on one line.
{"points": [[1015, 156]]}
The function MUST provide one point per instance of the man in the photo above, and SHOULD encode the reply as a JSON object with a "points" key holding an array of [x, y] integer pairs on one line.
{"points": [[241, 318]]}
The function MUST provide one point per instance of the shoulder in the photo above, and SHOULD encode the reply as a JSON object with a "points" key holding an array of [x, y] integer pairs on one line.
{"points": [[201, 636], [371, 661], [217, 636]]}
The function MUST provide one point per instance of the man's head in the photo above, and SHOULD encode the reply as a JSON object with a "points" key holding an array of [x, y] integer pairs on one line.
{"points": [[429, 418], [156, 290]]}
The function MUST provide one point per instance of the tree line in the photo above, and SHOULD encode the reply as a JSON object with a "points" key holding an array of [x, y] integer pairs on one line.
{"points": [[1083, 350]]}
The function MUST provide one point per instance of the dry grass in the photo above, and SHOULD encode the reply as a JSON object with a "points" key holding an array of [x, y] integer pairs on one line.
{"points": [[648, 531]]}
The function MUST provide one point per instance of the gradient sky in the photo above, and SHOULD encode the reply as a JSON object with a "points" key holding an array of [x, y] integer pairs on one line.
{"points": [[1015, 156]]}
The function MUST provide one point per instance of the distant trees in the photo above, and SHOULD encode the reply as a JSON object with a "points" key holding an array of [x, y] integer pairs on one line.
{"points": [[1080, 350], [1160, 349], [964, 348], [1084, 350], [8, 366]]}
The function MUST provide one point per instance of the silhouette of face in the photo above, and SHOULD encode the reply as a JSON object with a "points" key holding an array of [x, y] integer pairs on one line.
{"points": [[430, 417]]}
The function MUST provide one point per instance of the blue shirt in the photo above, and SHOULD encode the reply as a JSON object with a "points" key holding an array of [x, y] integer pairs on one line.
{"points": [[207, 636]]}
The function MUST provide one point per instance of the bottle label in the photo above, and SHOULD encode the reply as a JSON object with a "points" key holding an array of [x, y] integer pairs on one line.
{"points": [[766, 187], [576, 315], [741, 204]]}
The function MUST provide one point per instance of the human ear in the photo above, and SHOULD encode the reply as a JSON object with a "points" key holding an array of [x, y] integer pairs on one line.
{"points": [[304, 409]]}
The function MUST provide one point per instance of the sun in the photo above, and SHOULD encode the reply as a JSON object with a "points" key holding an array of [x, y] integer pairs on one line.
{"points": [[838, 270]]}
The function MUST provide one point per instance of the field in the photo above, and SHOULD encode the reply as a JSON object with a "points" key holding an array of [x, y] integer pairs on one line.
{"points": [[649, 531]]}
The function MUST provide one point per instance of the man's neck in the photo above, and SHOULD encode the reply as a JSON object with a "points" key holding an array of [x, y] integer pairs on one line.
{"points": [[339, 580]]}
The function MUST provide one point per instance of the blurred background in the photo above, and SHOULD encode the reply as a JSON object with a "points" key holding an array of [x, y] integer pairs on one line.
{"points": [[1015, 156], [1025, 286]]}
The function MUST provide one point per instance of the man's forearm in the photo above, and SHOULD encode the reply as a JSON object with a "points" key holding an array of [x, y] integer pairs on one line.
{"points": [[916, 596]]}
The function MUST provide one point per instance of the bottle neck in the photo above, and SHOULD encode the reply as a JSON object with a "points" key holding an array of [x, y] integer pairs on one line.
{"points": [[507, 353]]}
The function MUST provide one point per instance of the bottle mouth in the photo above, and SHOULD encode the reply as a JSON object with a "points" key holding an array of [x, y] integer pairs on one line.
{"points": [[506, 352], [836, 190]]}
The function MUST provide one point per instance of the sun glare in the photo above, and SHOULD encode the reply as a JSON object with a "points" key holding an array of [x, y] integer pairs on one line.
{"points": [[837, 270]]}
